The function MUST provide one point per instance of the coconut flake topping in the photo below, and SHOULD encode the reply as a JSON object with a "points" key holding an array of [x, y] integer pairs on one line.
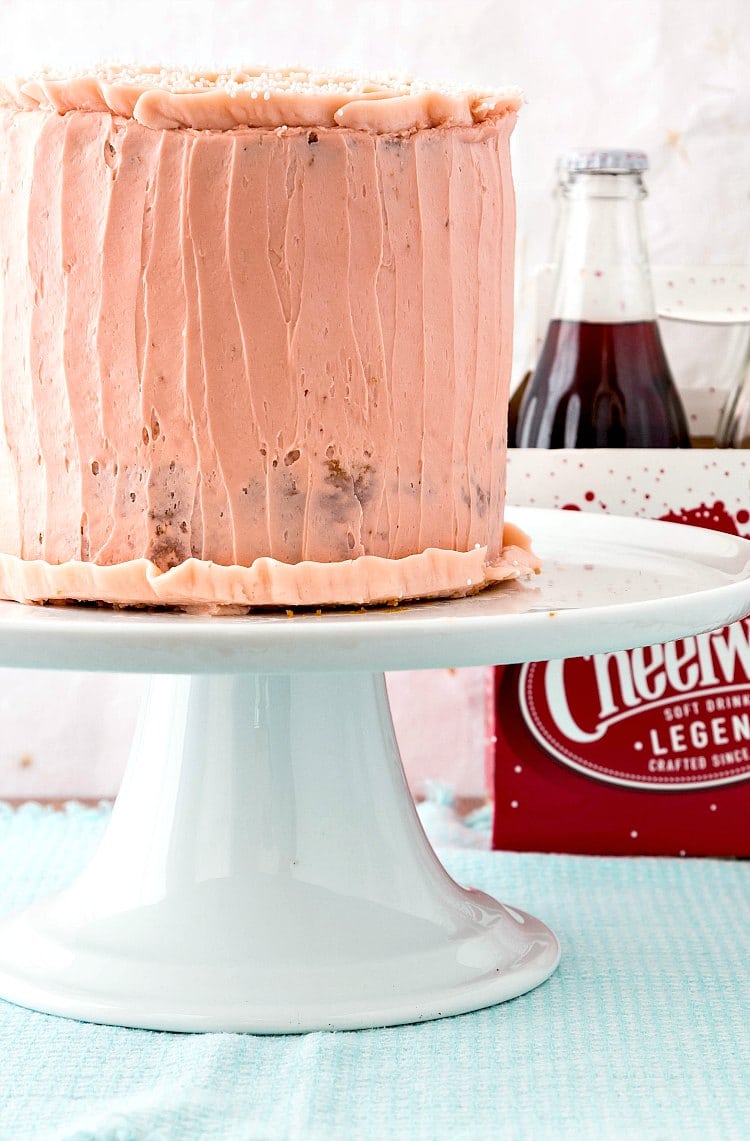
{"points": [[167, 97]]}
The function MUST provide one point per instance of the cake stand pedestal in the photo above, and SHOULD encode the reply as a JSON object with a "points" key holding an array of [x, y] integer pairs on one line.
{"points": [[264, 868]]}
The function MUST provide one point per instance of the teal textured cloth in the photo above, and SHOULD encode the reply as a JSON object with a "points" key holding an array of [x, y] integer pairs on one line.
{"points": [[643, 1032]]}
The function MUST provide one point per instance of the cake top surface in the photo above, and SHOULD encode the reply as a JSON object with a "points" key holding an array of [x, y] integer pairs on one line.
{"points": [[165, 98]]}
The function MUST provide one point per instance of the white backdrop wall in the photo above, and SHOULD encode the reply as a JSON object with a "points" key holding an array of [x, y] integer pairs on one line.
{"points": [[669, 76]]}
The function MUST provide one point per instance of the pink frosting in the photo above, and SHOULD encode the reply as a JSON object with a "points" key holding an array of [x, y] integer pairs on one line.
{"points": [[256, 349], [202, 587], [164, 98]]}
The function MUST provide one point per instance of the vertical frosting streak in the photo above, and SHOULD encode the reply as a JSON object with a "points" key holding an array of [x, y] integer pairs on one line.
{"points": [[487, 427], [284, 379], [465, 215], [365, 230], [436, 492], [504, 269], [165, 414], [403, 317], [212, 505], [10, 527], [19, 415], [121, 289], [323, 347], [57, 466], [91, 144], [228, 405], [385, 290]]}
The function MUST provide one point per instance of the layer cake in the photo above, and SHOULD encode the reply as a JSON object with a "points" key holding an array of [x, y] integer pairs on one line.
{"points": [[256, 338]]}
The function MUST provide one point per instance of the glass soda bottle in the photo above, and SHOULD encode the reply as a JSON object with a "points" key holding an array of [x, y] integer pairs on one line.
{"points": [[602, 379]]}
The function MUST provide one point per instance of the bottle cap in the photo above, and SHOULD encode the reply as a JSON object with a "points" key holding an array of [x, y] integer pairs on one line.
{"points": [[603, 161]]}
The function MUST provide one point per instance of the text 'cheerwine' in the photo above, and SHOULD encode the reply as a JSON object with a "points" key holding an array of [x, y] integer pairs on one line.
{"points": [[672, 716]]}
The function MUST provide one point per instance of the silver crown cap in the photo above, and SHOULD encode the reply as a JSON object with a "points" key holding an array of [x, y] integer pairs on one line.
{"points": [[604, 161]]}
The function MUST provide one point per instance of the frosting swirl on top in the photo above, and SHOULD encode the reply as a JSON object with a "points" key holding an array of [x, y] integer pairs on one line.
{"points": [[163, 98]]}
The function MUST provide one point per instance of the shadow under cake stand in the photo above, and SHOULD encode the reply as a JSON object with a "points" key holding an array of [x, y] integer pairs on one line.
{"points": [[264, 868]]}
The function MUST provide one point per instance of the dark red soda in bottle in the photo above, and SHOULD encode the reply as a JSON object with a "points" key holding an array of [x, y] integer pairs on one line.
{"points": [[602, 379]]}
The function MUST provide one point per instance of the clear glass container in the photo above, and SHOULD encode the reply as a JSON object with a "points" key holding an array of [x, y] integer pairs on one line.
{"points": [[602, 379]]}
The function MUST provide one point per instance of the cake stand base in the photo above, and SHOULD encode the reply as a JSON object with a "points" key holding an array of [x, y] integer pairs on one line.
{"points": [[265, 870]]}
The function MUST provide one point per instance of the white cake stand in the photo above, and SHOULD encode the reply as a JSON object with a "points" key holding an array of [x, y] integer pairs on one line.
{"points": [[264, 869]]}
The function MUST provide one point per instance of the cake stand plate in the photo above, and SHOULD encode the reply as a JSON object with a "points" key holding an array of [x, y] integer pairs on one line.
{"points": [[264, 868]]}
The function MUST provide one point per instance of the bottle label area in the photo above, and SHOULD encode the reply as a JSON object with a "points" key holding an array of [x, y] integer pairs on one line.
{"points": [[673, 716]]}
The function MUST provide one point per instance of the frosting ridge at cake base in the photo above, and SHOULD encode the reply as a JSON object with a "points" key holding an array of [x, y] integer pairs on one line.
{"points": [[201, 586]]}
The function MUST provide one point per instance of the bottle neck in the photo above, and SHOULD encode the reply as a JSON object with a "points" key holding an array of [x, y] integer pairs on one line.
{"points": [[603, 274]]}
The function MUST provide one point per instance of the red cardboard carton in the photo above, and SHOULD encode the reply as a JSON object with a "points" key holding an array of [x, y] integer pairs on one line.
{"points": [[643, 751]]}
